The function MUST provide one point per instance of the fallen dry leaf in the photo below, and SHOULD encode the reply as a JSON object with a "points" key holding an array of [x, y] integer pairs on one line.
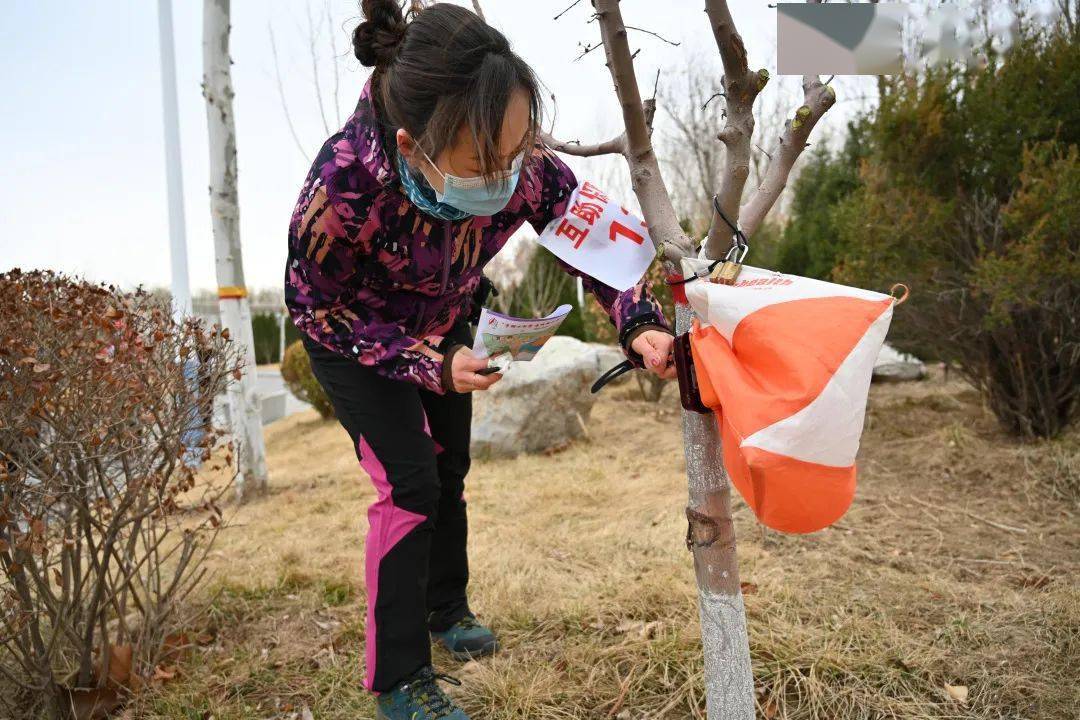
{"points": [[163, 673], [92, 704], [175, 647], [119, 664], [958, 693]]}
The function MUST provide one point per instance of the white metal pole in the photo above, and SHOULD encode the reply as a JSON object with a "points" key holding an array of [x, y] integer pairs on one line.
{"points": [[174, 174]]}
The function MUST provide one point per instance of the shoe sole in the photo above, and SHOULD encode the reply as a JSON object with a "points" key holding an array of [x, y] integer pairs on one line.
{"points": [[466, 655]]}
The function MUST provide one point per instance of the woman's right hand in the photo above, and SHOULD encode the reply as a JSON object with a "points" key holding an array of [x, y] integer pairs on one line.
{"points": [[463, 372]]}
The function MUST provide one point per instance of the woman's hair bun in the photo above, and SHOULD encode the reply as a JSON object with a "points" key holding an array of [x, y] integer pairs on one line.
{"points": [[376, 39]]}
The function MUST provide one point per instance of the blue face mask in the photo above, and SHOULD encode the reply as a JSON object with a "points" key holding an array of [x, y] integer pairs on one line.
{"points": [[478, 195], [423, 196]]}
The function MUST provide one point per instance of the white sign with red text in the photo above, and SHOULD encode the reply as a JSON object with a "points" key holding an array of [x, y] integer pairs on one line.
{"points": [[600, 238]]}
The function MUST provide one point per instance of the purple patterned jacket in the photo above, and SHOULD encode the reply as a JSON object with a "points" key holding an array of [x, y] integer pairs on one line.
{"points": [[371, 277]]}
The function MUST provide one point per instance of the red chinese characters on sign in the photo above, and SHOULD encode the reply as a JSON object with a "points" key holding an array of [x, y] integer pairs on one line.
{"points": [[587, 211], [590, 212], [600, 238], [577, 235], [588, 190]]}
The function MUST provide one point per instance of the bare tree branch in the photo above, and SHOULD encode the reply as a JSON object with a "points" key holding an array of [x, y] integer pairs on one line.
{"points": [[711, 98], [649, 108], [313, 39], [334, 55], [614, 146], [588, 49], [567, 9], [645, 176], [654, 34], [817, 99], [691, 152], [281, 94], [741, 88], [478, 10]]}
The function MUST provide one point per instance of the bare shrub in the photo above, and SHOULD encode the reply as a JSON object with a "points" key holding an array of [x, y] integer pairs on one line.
{"points": [[105, 412]]}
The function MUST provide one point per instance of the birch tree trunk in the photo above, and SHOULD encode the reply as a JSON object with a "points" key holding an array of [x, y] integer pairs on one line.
{"points": [[729, 684], [244, 407]]}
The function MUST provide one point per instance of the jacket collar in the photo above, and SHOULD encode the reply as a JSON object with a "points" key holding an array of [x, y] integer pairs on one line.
{"points": [[364, 131]]}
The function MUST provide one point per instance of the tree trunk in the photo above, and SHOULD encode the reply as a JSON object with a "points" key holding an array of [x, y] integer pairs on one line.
{"points": [[245, 413], [729, 683]]}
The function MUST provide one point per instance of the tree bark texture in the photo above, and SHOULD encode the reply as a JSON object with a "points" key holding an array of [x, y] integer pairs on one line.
{"points": [[710, 536], [245, 412]]}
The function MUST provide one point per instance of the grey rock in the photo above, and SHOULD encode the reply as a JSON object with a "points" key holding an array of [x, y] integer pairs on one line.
{"points": [[894, 366], [608, 356], [539, 405]]}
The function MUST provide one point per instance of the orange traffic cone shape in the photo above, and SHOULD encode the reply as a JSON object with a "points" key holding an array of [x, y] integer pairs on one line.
{"points": [[785, 364]]}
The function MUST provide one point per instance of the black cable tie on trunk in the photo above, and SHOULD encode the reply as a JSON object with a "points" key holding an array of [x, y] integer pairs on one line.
{"points": [[739, 241]]}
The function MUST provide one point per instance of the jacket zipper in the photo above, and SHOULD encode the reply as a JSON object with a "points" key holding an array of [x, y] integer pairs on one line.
{"points": [[448, 242], [444, 280]]}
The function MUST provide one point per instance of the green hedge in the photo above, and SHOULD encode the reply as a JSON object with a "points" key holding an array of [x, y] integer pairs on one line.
{"points": [[296, 372], [267, 334]]}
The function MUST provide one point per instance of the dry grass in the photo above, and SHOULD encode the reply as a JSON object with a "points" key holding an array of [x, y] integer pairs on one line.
{"points": [[958, 564]]}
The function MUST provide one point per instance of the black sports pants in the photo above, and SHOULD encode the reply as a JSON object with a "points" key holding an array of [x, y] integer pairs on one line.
{"points": [[415, 446]]}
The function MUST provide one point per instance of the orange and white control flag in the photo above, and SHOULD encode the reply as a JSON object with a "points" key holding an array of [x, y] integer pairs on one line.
{"points": [[785, 364]]}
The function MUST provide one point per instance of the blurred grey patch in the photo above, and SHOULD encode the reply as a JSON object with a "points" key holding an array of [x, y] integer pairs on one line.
{"points": [[947, 36], [846, 24], [860, 39]]}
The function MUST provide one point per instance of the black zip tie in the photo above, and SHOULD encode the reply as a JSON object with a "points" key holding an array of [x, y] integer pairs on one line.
{"points": [[739, 236], [740, 241], [611, 374], [683, 281]]}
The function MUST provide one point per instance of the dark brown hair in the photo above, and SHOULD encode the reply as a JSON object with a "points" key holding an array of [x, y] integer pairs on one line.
{"points": [[443, 69]]}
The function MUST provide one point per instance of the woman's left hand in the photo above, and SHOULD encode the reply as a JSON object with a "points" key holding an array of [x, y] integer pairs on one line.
{"points": [[654, 347]]}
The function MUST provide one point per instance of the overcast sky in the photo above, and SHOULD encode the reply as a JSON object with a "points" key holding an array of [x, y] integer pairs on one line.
{"points": [[82, 178]]}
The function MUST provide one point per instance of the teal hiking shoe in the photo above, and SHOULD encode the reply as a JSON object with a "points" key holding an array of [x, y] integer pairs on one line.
{"points": [[467, 639], [419, 698]]}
